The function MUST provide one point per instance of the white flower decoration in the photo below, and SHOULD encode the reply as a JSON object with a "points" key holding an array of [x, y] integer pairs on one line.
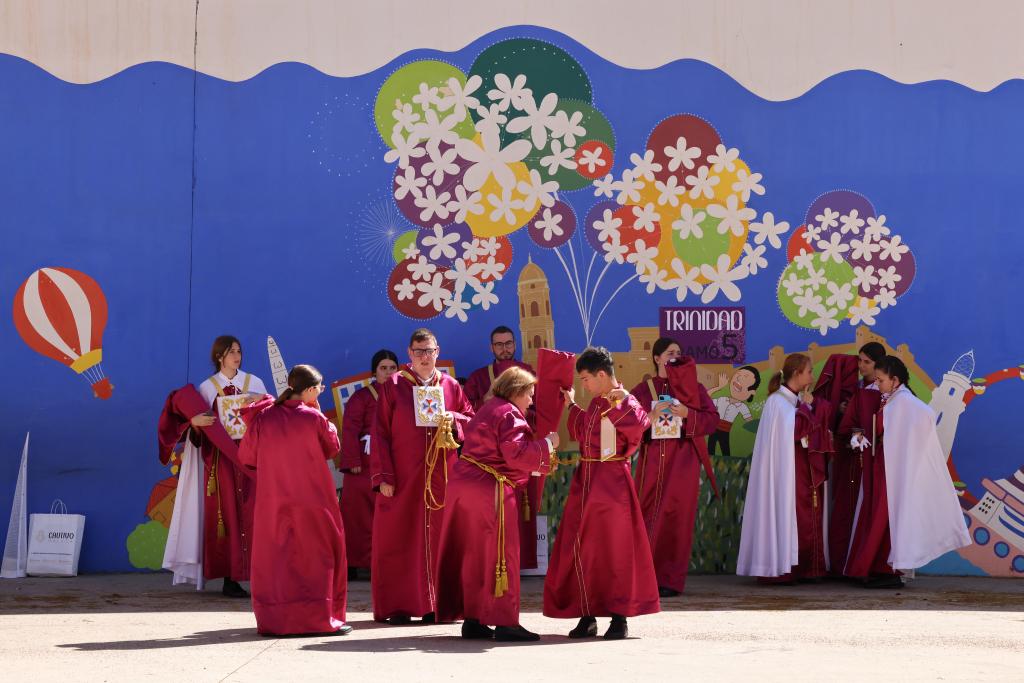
{"points": [[863, 312], [422, 269], [646, 218], [793, 284], [851, 222], [490, 118], [722, 279], [605, 187], [410, 251], [768, 229], [747, 183], [491, 269], [876, 228], [644, 166], [484, 295], [681, 155], [506, 92], [536, 119], [724, 159], [827, 219], [491, 159], [403, 150], [643, 256], [688, 223], [608, 226], [549, 225], [812, 232], [427, 97], [702, 184], [460, 97], [670, 191], [628, 188], [435, 130], [456, 308], [833, 249], [614, 251], [465, 203], [440, 164], [753, 258], [685, 281], [559, 158], [461, 276], [865, 277], [888, 277], [825, 321], [893, 249], [405, 289], [440, 244], [409, 184], [592, 159], [537, 191], [433, 204], [567, 127], [839, 296], [885, 298], [489, 246], [504, 206], [816, 277], [653, 278], [807, 302], [433, 293], [864, 249], [405, 118], [732, 216], [804, 260]]}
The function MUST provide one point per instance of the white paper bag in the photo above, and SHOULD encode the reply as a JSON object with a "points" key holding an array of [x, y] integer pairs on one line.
{"points": [[55, 542]]}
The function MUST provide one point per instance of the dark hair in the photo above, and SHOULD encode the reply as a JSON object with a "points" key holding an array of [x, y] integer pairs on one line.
{"points": [[594, 359], [502, 329], [383, 354], [874, 351], [221, 345], [660, 347], [795, 362], [421, 334], [300, 378], [894, 367], [757, 380]]}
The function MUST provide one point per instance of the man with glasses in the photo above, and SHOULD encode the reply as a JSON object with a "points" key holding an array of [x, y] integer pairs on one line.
{"points": [[409, 471], [478, 391]]}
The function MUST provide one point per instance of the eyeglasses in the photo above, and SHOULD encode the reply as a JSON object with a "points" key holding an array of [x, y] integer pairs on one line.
{"points": [[504, 345], [420, 353]]}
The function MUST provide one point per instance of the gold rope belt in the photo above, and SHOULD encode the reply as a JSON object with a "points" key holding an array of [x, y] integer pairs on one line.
{"points": [[500, 567], [614, 458], [442, 442]]}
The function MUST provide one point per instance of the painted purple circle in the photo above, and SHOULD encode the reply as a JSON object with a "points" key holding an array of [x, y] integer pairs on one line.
{"points": [[906, 268], [567, 223], [843, 202], [407, 204], [440, 259], [596, 213]]}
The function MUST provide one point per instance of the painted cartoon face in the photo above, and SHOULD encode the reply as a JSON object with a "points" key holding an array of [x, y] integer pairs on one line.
{"points": [[232, 358], [385, 369], [740, 387]]}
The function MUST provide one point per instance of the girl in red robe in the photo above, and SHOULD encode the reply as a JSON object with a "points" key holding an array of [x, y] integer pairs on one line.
{"points": [[299, 576], [668, 470], [357, 496], [478, 568], [601, 563]]}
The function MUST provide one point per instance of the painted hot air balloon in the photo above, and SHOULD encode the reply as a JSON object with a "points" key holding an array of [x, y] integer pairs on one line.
{"points": [[60, 313]]}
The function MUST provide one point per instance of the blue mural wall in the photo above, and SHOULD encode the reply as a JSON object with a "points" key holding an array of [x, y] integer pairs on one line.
{"points": [[266, 207]]}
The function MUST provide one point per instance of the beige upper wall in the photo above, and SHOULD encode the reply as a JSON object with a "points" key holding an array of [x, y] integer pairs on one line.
{"points": [[776, 48]]}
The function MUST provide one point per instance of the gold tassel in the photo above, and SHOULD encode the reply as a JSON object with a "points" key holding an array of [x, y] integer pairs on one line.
{"points": [[442, 441], [814, 498], [211, 483], [221, 529], [500, 580], [526, 506]]}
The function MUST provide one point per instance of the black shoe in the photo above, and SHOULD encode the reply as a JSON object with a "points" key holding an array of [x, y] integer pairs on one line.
{"points": [[587, 628], [617, 630], [343, 631], [232, 589], [400, 620], [664, 592], [429, 618], [353, 573], [514, 634], [890, 581], [474, 630]]}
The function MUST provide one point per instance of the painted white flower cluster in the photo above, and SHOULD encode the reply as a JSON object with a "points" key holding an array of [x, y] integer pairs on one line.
{"points": [[684, 208], [444, 175]]}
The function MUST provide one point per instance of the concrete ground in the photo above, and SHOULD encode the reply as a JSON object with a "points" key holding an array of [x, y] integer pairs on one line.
{"points": [[136, 627]]}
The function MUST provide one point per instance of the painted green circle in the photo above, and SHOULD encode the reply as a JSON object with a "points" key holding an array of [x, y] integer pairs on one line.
{"points": [[839, 273], [403, 241], [405, 83], [548, 69], [705, 249], [597, 127]]}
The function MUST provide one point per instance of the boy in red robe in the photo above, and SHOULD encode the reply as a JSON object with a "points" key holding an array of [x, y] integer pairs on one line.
{"points": [[668, 469], [409, 469], [299, 576], [357, 496], [601, 563]]}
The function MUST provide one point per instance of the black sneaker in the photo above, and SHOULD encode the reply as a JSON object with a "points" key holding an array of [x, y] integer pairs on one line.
{"points": [[400, 620], [587, 628], [342, 631], [474, 630], [664, 592], [429, 618], [233, 589], [891, 581], [514, 634], [617, 630]]}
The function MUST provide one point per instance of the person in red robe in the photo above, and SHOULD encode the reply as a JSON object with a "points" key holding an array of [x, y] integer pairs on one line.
{"points": [[478, 550], [852, 397], [601, 564], [478, 391], [668, 469], [409, 468], [782, 537], [299, 575], [357, 496]]}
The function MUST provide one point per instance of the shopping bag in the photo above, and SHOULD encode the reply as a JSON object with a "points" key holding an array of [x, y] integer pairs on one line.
{"points": [[55, 542]]}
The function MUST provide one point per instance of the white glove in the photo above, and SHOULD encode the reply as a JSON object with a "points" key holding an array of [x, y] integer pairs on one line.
{"points": [[859, 442]]}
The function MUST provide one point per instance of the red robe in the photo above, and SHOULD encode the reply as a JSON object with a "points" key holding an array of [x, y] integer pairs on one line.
{"points": [[497, 437], [299, 574], [601, 562], [477, 386], [847, 473], [405, 528], [668, 483], [357, 496], [870, 546], [228, 508]]}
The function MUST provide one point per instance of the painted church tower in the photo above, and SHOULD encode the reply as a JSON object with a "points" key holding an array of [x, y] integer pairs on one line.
{"points": [[536, 327], [948, 399]]}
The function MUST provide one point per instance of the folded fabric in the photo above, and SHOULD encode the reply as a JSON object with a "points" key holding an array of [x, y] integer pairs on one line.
{"points": [[180, 407], [555, 370], [682, 380]]}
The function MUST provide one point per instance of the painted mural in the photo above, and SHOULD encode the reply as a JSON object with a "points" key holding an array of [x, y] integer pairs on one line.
{"points": [[521, 180]]}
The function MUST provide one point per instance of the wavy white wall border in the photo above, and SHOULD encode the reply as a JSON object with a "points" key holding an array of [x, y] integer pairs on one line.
{"points": [[776, 48]]}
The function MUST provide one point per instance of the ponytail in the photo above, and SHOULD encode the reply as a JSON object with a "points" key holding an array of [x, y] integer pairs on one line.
{"points": [[795, 362], [300, 378], [896, 368]]}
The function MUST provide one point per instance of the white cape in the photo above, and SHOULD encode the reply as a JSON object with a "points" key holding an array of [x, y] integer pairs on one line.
{"points": [[183, 553], [925, 519], [769, 544]]}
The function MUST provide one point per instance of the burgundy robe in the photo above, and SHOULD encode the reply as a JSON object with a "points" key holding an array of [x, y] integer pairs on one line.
{"points": [[499, 437], [848, 471], [357, 496], [299, 573], [227, 511], [405, 529], [477, 386], [870, 545], [601, 562], [668, 483]]}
